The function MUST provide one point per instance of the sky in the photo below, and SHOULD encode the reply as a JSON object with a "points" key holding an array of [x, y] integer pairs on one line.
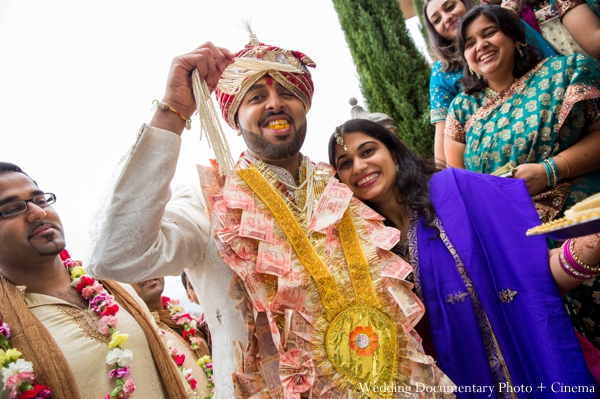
{"points": [[77, 79]]}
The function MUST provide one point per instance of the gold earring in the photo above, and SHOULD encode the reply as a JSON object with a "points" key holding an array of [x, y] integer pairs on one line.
{"points": [[474, 73], [518, 45]]}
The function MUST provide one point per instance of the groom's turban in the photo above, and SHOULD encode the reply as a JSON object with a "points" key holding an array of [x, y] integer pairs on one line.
{"points": [[255, 61]]}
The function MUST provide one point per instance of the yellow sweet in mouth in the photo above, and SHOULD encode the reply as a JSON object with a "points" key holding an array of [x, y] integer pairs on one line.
{"points": [[279, 124]]}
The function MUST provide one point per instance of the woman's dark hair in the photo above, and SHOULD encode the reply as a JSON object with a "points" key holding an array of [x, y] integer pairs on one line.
{"points": [[509, 24], [444, 49], [414, 175]]}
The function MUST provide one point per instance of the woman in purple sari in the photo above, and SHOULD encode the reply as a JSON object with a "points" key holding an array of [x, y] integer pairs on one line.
{"points": [[492, 295]]}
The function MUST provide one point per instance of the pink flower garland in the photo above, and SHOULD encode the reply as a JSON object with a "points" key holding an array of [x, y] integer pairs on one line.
{"points": [[179, 359], [17, 374], [102, 303], [190, 324]]}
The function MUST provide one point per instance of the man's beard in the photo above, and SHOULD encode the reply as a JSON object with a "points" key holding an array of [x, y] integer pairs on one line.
{"points": [[264, 149], [58, 244], [52, 251]]}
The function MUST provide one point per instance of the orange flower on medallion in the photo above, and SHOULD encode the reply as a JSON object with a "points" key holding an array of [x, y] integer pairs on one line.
{"points": [[363, 341]]}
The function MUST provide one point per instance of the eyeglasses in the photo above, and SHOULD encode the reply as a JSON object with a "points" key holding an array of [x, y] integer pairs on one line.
{"points": [[16, 207]]}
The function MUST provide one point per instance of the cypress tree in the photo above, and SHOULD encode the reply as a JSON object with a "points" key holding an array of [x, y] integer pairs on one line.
{"points": [[418, 6], [394, 76]]}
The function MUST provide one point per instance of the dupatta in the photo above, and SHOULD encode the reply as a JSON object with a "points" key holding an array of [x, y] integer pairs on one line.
{"points": [[495, 313]]}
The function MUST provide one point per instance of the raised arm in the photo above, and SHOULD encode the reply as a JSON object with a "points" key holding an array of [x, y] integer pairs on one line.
{"points": [[584, 25], [210, 61], [140, 234]]}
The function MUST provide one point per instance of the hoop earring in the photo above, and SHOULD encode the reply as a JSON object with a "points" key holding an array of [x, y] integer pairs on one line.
{"points": [[518, 46]]}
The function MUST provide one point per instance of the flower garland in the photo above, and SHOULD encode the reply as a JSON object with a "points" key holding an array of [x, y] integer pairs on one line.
{"points": [[206, 364], [179, 359], [103, 304], [190, 324], [17, 374]]}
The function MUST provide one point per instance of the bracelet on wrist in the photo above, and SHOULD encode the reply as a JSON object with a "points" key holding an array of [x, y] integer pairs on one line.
{"points": [[166, 107]]}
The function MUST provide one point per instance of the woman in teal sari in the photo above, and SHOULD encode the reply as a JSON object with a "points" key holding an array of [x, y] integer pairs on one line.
{"points": [[540, 117], [441, 19]]}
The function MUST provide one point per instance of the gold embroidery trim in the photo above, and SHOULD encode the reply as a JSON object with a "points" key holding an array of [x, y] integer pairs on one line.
{"points": [[86, 321], [358, 267], [498, 366], [331, 297]]}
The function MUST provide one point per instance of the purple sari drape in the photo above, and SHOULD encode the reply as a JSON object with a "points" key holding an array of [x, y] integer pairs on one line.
{"points": [[485, 218]]}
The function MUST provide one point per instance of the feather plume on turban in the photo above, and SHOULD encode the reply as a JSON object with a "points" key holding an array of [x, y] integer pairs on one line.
{"points": [[255, 61]]}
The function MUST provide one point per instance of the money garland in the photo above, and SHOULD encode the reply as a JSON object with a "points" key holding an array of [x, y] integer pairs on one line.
{"points": [[264, 248], [363, 344]]}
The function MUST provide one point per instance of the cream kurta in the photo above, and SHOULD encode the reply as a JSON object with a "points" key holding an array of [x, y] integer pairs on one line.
{"points": [[190, 360], [75, 332]]}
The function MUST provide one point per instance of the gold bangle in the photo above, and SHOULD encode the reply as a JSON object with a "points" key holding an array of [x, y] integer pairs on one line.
{"points": [[590, 268], [566, 164]]}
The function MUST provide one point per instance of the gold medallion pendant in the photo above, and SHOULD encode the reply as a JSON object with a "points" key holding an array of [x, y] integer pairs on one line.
{"points": [[361, 343], [357, 343]]}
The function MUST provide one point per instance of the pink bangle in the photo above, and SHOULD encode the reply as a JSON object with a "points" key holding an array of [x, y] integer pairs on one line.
{"points": [[575, 262], [570, 271]]}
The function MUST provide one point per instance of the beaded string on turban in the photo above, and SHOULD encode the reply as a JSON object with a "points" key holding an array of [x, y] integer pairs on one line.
{"points": [[253, 62]]}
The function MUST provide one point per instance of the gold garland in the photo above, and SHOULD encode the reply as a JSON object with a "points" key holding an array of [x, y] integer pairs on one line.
{"points": [[362, 343]]}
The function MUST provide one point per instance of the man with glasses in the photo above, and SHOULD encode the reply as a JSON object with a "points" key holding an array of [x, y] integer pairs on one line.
{"points": [[54, 334]]}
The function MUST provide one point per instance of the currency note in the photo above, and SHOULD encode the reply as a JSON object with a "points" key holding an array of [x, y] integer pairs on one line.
{"points": [[250, 383], [257, 226], [331, 206], [409, 303], [394, 266], [422, 374], [274, 258], [385, 237], [236, 197], [365, 212]]}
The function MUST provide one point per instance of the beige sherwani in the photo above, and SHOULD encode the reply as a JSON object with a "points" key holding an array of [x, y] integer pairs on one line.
{"points": [[138, 237]]}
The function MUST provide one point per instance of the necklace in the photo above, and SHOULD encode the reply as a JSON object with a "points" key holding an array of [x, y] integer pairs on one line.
{"points": [[190, 324], [103, 304], [490, 93], [296, 191]]}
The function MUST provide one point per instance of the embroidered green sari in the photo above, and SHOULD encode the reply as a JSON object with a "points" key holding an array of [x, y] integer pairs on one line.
{"points": [[543, 113]]}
